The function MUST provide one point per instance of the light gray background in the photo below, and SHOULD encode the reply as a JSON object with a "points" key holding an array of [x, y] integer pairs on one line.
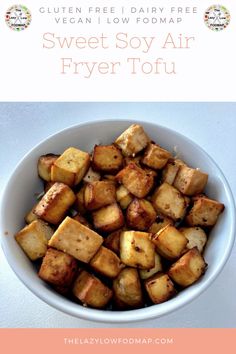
{"points": [[211, 125]]}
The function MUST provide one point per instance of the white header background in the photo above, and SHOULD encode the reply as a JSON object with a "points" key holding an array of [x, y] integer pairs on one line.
{"points": [[205, 72]]}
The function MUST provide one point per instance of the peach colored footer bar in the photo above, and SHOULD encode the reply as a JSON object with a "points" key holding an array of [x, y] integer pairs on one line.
{"points": [[120, 340]]}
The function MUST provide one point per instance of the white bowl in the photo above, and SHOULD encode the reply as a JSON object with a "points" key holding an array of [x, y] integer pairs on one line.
{"points": [[19, 197]]}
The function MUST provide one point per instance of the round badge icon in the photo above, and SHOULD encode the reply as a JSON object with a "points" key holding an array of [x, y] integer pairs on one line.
{"points": [[217, 17], [18, 17]]}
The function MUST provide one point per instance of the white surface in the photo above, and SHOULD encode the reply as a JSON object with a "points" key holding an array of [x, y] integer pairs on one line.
{"points": [[212, 126]]}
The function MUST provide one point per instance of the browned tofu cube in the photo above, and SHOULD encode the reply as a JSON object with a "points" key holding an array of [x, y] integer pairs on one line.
{"points": [[160, 288], [188, 268], [112, 241], [33, 239], [107, 158], [108, 218], [82, 220], [98, 194], [123, 196], [76, 239], [137, 250], [147, 273], [169, 242], [170, 171], [190, 181], [155, 157], [58, 268], [169, 201], [140, 214], [127, 289], [30, 216], [91, 176], [91, 291], [55, 203], [132, 140], [70, 167], [136, 180], [45, 163], [205, 212], [106, 263], [160, 222], [196, 237], [79, 203]]}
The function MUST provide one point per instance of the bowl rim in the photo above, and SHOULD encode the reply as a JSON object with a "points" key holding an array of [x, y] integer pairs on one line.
{"points": [[107, 316]]}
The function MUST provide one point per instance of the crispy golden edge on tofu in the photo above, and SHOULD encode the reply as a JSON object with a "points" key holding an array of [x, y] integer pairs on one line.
{"points": [[58, 268], [55, 203], [91, 176], [106, 263], [140, 214], [112, 241], [188, 269], [190, 181], [30, 216], [148, 273], [45, 163], [170, 172], [79, 203], [127, 289], [107, 158], [70, 167], [76, 239], [179, 162], [169, 201], [99, 194], [137, 250], [169, 242], [160, 288], [91, 291], [160, 222], [205, 212], [123, 196], [132, 140], [33, 239], [136, 180], [155, 157], [108, 218], [196, 237]]}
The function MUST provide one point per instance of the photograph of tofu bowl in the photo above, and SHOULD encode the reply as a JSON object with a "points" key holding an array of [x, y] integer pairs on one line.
{"points": [[117, 221]]}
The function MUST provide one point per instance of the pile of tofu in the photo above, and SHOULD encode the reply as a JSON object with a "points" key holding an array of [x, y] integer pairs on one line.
{"points": [[123, 227]]}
